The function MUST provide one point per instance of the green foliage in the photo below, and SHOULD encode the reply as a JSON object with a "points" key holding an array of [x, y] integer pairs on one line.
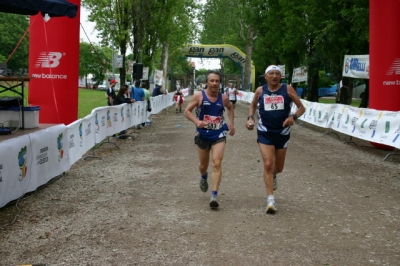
{"points": [[12, 28], [145, 26], [94, 60], [313, 33]]}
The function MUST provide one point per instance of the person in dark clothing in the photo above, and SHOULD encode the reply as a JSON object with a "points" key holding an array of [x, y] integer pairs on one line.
{"points": [[111, 92], [120, 98], [123, 96], [157, 91]]}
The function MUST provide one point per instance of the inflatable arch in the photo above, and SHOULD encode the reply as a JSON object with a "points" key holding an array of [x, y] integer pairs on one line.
{"points": [[220, 51]]}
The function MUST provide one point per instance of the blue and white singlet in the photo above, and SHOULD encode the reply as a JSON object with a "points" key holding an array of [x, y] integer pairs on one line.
{"points": [[274, 108], [213, 114]]}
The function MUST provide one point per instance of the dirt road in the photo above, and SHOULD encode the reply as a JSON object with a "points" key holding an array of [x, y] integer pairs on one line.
{"points": [[338, 204]]}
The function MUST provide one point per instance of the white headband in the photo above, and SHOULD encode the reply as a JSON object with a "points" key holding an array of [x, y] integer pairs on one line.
{"points": [[273, 67]]}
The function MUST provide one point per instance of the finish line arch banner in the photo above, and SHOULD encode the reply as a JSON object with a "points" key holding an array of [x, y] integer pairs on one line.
{"points": [[219, 51], [384, 55], [54, 67]]}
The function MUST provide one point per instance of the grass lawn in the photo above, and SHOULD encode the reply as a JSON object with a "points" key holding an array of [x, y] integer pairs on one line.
{"points": [[90, 99], [354, 102], [87, 99]]}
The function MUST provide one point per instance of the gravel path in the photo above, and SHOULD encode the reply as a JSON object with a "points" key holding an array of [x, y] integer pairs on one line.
{"points": [[338, 204]]}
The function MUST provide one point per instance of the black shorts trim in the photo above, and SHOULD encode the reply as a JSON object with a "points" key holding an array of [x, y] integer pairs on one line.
{"points": [[205, 144]]}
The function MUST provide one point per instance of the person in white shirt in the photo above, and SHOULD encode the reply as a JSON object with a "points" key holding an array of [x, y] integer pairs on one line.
{"points": [[231, 91]]}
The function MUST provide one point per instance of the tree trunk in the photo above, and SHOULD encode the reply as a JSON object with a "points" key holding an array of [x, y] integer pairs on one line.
{"points": [[312, 93], [346, 91], [247, 68], [164, 64], [365, 96]]}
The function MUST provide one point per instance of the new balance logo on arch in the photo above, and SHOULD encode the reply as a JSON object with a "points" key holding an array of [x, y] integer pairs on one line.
{"points": [[394, 69], [48, 60]]}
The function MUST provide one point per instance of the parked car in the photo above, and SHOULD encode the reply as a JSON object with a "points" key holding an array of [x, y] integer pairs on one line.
{"points": [[102, 86]]}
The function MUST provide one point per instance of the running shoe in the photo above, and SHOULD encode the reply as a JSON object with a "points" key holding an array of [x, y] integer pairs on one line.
{"points": [[213, 203], [275, 183], [203, 184], [271, 206]]}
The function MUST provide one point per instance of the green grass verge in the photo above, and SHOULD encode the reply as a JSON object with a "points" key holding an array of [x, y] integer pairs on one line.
{"points": [[87, 99], [355, 103], [90, 99]]}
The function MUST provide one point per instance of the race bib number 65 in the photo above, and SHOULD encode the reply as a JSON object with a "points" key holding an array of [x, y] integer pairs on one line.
{"points": [[213, 122], [273, 102]]}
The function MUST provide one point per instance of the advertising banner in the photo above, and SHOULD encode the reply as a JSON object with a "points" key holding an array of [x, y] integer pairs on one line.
{"points": [[48, 159], [54, 67], [158, 77], [356, 66], [87, 133], [75, 142], [15, 168], [118, 61], [384, 43], [299, 74], [145, 75]]}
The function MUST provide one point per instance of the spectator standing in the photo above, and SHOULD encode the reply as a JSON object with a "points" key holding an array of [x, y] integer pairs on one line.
{"points": [[157, 90], [123, 96], [147, 98], [137, 92], [111, 92]]}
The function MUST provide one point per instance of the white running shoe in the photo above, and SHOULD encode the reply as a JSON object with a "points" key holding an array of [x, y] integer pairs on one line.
{"points": [[271, 206], [213, 203]]}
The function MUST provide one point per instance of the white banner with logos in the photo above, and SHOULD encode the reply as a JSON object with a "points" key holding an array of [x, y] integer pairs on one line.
{"points": [[356, 66], [299, 74], [49, 155], [372, 125], [158, 102], [145, 75], [158, 77], [75, 142], [31, 160], [118, 61], [15, 168]]}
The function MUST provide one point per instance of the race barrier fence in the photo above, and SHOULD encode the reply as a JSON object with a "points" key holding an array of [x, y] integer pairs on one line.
{"points": [[376, 126], [30, 161]]}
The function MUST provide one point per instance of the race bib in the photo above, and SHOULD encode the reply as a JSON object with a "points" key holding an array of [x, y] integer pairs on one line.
{"points": [[274, 102], [213, 122]]}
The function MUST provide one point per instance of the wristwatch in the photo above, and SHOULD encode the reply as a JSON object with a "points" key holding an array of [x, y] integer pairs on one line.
{"points": [[294, 116], [250, 116]]}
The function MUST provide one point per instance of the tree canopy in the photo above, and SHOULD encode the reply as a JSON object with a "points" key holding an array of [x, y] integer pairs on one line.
{"points": [[312, 33], [12, 28]]}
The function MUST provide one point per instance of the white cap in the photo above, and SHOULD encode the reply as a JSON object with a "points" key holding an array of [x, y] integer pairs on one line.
{"points": [[273, 67]]}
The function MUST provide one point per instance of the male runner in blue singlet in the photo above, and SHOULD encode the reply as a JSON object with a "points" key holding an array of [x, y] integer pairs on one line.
{"points": [[211, 130], [274, 101]]}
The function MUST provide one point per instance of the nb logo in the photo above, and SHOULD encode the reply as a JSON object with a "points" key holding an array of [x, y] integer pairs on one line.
{"points": [[50, 60], [394, 69]]}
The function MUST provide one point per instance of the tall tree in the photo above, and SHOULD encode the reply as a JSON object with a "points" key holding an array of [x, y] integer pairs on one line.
{"points": [[12, 28], [93, 60], [101, 12]]}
